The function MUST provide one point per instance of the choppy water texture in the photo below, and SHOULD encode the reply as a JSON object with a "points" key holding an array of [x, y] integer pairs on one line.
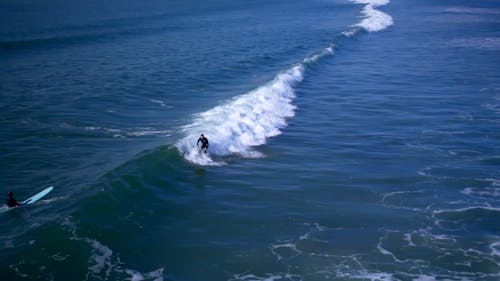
{"points": [[349, 140]]}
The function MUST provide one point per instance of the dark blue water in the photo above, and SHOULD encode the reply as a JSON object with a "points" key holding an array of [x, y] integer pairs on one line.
{"points": [[349, 140]]}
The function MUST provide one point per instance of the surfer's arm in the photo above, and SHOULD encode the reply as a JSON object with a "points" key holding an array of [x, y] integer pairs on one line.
{"points": [[12, 204]]}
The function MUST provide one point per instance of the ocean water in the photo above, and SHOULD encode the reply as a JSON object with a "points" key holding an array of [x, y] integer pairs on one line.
{"points": [[349, 140]]}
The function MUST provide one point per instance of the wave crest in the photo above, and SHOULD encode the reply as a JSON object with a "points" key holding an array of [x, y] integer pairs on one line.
{"points": [[246, 121], [374, 20]]}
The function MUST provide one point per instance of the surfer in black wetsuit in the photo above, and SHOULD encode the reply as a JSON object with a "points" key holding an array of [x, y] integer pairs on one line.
{"points": [[11, 202], [204, 143]]}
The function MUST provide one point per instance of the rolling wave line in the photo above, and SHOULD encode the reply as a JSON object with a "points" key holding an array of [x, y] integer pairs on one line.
{"points": [[248, 120]]}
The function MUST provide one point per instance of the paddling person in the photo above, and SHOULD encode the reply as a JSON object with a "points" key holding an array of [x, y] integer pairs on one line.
{"points": [[11, 202], [204, 143]]}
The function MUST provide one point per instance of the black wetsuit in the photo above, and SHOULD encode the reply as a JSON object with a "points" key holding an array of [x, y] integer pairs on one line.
{"points": [[204, 143], [11, 202]]}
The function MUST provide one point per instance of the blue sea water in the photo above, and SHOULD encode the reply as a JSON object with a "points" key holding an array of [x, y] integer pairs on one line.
{"points": [[349, 140]]}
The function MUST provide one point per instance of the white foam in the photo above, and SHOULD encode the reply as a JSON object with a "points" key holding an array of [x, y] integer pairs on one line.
{"points": [[425, 278], [325, 52], [350, 32], [59, 257], [159, 102], [244, 122], [266, 277], [101, 257], [386, 252], [317, 228], [466, 209], [495, 249], [285, 251], [103, 263], [372, 276], [373, 19], [372, 2], [156, 275], [482, 193]]}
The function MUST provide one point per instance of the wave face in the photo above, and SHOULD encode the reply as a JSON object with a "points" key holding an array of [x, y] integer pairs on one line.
{"points": [[236, 126]]}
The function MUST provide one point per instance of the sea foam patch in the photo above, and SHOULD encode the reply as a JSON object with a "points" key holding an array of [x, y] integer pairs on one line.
{"points": [[103, 263], [373, 19]]}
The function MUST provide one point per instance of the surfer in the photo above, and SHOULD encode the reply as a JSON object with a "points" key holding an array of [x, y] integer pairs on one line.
{"points": [[204, 143], [11, 202]]}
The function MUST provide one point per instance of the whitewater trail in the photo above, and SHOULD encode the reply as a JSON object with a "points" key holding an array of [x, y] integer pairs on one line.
{"points": [[246, 121]]}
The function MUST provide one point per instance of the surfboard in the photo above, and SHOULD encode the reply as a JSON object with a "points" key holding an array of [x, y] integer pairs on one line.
{"points": [[37, 196], [30, 200]]}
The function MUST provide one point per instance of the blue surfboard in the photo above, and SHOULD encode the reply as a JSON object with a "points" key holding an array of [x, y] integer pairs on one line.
{"points": [[37, 196]]}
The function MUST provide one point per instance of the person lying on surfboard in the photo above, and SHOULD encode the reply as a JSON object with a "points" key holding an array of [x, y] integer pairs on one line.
{"points": [[11, 202], [204, 143]]}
